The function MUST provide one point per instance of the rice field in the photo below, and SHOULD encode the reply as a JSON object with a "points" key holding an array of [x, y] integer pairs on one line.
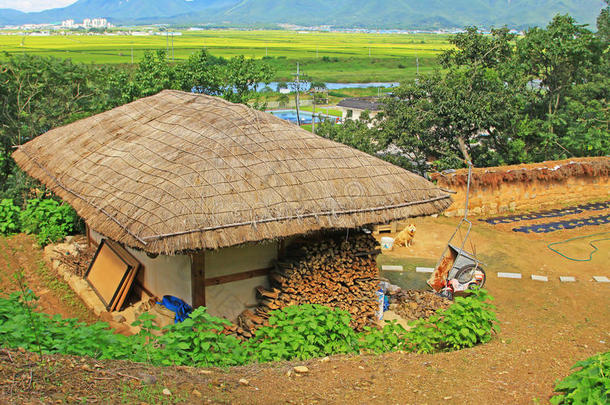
{"points": [[343, 57]]}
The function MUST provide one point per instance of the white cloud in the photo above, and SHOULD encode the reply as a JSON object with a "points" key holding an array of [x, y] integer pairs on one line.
{"points": [[34, 5]]}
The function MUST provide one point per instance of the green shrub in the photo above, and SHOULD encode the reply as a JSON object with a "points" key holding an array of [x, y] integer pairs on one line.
{"points": [[302, 332], [35, 331], [9, 217], [390, 338], [48, 219], [467, 322], [196, 341], [589, 385], [296, 332]]}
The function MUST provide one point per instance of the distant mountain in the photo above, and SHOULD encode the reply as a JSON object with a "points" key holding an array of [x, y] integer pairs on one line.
{"points": [[342, 13]]}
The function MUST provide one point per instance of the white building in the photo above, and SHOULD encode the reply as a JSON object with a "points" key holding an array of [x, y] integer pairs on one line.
{"points": [[96, 23], [68, 24]]}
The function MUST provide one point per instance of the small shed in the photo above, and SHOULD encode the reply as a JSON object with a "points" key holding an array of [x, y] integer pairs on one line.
{"points": [[203, 192], [353, 107]]}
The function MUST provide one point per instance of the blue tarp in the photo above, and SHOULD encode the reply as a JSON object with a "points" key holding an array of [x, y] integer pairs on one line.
{"points": [[175, 304]]}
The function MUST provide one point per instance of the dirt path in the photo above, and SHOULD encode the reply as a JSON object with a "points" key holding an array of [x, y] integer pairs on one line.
{"points": [[545, 328], [21, 253]]}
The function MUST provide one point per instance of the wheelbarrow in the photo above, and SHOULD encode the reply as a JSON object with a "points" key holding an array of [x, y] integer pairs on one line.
{"points": [[458, 270]]}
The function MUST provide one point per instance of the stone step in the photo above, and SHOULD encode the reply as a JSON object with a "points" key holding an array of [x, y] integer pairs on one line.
{"points": [[391, 268], [424, 269], [509, 275]]}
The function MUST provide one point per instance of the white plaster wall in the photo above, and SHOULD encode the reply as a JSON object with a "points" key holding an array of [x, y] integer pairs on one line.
{"points": [[163, 275], [230, 299]]}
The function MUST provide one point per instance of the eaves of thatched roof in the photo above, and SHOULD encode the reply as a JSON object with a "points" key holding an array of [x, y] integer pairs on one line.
{"points": [[179, 171]]}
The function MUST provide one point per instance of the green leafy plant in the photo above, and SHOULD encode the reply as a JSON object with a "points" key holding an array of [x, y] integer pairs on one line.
{"points": [[589, 385], [303, 332], [390, 338], [48, 219], [467, 322], [296, 332], [197, 341], [35, 331], [9, 217]]}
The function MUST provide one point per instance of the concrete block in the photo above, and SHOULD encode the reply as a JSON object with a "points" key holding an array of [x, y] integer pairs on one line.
{"points": [[424, 269], [509, 275], [539, 278], [601, 279], [567, 279], [391, 268]]}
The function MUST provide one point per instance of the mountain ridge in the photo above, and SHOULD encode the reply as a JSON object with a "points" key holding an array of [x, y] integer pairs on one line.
{"points": [[407, 14]]}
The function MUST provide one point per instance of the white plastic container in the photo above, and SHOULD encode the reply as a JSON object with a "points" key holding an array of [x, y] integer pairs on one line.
{"points": [[387, 243]]}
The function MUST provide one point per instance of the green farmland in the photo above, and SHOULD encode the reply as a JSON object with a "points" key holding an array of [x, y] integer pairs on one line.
{"points": [[337, 57]]}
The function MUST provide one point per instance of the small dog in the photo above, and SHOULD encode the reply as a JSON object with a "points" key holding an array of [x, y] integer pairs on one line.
{"points": [[406, 236]]}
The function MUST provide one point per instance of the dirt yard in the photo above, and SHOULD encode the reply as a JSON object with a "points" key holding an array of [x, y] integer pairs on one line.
{"points": [[545, 328]]}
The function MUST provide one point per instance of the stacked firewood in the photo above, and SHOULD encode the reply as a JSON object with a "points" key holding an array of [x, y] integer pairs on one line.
{"points": [[336, 271]]}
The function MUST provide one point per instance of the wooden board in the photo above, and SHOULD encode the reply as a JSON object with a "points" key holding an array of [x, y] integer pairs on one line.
{"points": [[109, 270], [198, 279], [237, 276]]}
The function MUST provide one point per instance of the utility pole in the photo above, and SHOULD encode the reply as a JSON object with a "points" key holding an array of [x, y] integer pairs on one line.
{"points": [[172, 46], [166, 44], [297, 98], [313, 114], [132, 54], [417, 64]]}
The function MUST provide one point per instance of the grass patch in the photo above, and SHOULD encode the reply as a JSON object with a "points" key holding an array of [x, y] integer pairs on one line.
{"points": [[61, 289], [150, 394], [323, 110], [408, 278]]}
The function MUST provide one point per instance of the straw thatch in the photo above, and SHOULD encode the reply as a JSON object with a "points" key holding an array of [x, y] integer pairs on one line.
{"points": [[549, 171], [179, 171]]}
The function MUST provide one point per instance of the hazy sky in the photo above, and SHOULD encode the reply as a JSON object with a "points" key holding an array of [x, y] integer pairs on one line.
{"points": [[34, 5]]}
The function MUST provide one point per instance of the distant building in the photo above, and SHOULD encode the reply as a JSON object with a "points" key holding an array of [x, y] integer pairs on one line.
{"points": [[352, 108], [95, 23], [68, 24]]}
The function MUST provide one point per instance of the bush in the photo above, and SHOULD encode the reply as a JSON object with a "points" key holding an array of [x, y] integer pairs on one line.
{"points": [[589, 385], [296, 332], [197, 341], [48, 219], [35, 331], [390, 338], [302, 332], [9, 217], [467, 322]]}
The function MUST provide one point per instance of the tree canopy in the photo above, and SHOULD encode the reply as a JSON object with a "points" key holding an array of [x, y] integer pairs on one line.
{"points": [[508, 99], [40, 93]]}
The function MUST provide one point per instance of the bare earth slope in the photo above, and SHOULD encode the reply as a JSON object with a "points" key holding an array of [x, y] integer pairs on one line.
{"points": [[545, 328]]}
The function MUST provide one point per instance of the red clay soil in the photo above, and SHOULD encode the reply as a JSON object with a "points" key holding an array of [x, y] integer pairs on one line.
{"points": [[545, 329]]}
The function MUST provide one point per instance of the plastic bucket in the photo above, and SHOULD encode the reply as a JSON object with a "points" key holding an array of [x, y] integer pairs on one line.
{"points": [[387, 243]]}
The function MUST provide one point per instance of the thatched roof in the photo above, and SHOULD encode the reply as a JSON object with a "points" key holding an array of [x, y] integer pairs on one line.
{"points": [[179, 171]]}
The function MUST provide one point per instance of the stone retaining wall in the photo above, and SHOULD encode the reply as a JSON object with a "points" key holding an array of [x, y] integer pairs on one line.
{"points": [[497, 190]]}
